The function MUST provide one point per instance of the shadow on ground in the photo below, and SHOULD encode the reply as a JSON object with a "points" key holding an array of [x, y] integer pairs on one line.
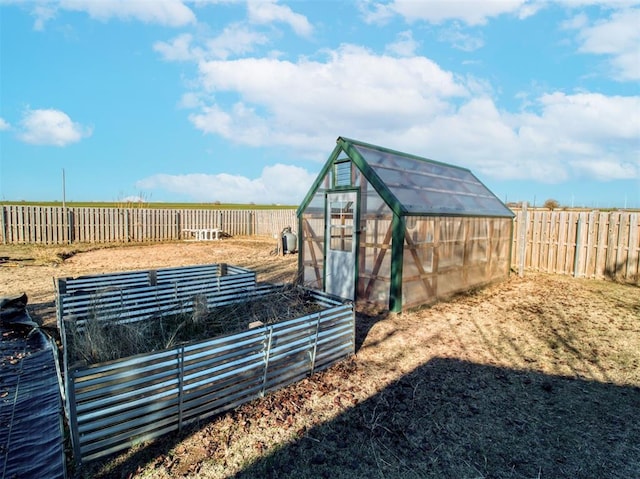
{"points": [[454, 419], [365, 321]]}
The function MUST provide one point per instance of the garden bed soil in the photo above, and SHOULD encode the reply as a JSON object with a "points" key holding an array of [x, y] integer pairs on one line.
{"points": [[104, 340]]}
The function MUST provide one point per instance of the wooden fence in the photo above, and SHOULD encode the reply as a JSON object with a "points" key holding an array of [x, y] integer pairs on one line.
{"points": [[588, 244], [584, 244], [57, 225]]}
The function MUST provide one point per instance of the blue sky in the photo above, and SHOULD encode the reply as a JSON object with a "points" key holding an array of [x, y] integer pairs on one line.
{"points": [[242, 101]]}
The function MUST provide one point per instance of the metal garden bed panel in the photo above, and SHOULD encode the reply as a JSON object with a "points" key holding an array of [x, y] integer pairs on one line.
{"points": [[137, 295], [114, 405], [141, 278]]}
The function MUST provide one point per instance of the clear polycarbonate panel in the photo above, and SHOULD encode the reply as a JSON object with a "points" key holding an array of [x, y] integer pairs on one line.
{"points": [[445, 255], [316, 205], [341, 225], [374, 271], [312, 251], [427, 187]]}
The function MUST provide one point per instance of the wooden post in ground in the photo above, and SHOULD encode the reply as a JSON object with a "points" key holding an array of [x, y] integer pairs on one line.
{"points": [[522, 239]]}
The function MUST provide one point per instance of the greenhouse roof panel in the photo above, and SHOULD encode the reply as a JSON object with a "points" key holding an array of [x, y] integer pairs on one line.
{"points": [[423, 186]]}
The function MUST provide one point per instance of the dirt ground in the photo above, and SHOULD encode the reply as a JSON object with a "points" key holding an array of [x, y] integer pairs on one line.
{"points": [[534, 377], [33, 270]]}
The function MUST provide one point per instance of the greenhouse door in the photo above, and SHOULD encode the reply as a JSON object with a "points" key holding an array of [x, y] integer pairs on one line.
{"points": [[340, 267]]}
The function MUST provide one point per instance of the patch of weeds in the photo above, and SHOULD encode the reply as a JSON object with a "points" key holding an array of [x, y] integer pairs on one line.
{"points": [[104, 339]]}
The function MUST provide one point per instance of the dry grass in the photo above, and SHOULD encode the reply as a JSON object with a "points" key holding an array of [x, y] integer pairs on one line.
{"points": [[31, 268], [533, 378], [536, 377], [41, 255], [102, 339]]}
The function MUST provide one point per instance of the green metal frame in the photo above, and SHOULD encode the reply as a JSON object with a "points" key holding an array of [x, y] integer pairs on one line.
{"points": [[316, 184], [371, 176], [398, 226]]}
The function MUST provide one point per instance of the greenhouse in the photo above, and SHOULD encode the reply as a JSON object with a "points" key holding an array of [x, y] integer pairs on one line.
{"points": [[396, 230]]}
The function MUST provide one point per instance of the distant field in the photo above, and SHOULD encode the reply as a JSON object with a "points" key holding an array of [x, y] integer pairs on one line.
{"points": [[154, 205]]}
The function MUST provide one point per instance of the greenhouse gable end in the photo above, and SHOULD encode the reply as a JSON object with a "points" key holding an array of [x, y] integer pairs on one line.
{"points": [[397, 230]]}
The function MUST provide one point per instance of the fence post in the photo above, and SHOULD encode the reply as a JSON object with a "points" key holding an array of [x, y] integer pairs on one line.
{"points": [[578, 250], [522, 240], [70, 218], [610, 267], [632, 252], [178, 225], [66, 237], [3, 226]]}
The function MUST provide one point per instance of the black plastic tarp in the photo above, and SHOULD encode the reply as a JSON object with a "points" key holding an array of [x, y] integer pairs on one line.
{"points": [[31, 432]]}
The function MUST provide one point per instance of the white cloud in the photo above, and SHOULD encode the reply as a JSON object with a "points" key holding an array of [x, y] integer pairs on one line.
{"points": [[459, 39], [617, 37], [268, 11], [277, 184], [375, 13], [576, 22], [4, 125], [471, 12], [582, 135], [585, 135], [190, 100], [172, 13], [353, 87], [50, 127], [235, 39], [607, 168], [179, 49], [418, 107], [592, 116], [43, 13], [240, 125], [605, 4], [404, 46], [567, 135]]}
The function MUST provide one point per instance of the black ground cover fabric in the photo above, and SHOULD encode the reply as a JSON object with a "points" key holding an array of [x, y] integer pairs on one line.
{"points": [[31, 433]]}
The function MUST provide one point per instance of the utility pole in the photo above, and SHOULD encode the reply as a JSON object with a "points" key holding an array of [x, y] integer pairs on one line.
{"points": [[64, 192]]}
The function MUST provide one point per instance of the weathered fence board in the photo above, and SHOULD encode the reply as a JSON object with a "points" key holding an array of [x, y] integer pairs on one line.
{"points": [[584, 244], [592, 244], [62, 225]]}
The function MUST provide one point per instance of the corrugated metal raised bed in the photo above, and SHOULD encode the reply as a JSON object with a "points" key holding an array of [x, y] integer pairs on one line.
{"points": [[136, 295], [115, 404]]}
